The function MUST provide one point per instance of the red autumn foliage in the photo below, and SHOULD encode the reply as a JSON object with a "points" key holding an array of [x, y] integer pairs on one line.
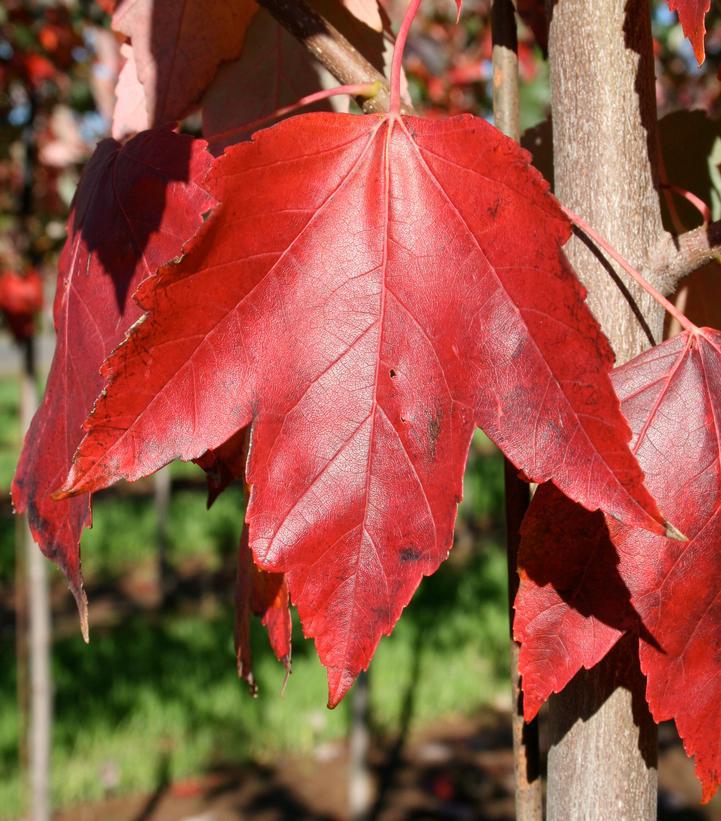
{"points": [[692, 14], [367, 292], [21, 298], [264, 595], [134, 208], [364, 396], [586, 580]]}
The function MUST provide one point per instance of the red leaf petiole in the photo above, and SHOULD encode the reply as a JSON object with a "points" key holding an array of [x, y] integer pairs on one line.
{"points": [[668, 306], [366, 90], [692, 199]]}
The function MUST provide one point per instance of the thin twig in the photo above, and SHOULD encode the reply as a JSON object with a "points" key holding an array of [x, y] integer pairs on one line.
{"points": [[606, 246], [397, 64], [526, 752], [364, 91]]}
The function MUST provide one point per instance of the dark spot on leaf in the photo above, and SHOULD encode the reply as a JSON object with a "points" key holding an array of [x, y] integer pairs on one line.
{"points": [[434, 431], [392, 374], [410, 554]]}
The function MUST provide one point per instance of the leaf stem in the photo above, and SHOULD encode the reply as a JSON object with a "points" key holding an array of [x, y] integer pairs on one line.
{"points": [[579, 222], [357, 90], [691, 198], [396, 65]]}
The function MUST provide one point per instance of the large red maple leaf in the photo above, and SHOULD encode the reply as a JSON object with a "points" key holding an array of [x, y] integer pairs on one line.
{"points": [[568, 617], [134, 208], [368, 291]]}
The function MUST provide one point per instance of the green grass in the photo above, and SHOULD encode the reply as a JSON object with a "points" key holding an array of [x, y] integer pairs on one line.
{"points": [[9, 430], [159, 695], [124, 531], [156, 697]]}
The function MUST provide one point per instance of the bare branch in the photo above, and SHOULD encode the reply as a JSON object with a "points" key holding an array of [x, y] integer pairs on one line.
{"points": [[676, 257], [330, 48]]}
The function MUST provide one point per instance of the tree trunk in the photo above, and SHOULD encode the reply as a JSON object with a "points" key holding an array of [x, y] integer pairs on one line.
{"points": [[602, 760], [38, 635], [162, 485], [360, 786], [528, 788]]}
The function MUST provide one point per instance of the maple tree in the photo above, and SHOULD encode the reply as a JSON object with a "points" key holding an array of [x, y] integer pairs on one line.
{"points": [[366, 291]]}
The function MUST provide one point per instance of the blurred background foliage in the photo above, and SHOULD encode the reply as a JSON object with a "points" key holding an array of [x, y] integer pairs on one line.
{"points": [[159, 676]]}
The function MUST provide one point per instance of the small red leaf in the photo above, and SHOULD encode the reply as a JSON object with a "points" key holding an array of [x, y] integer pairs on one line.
{"points": [[224, 464], [692, 14], [21, 298], [120, 230], [264, 595], [368, 291], [671, 395], [674, 404]]}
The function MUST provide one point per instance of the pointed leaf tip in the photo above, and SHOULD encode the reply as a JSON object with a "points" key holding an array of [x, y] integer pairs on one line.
{"points": [[81, 600], [692, 16]]}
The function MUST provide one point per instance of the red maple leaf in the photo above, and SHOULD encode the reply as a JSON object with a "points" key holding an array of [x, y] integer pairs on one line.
{"points": [[179, 46], [135, 206], [369, 290], [567, 617]]}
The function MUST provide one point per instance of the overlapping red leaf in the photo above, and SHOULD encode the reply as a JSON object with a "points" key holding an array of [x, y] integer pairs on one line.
{"points": [[134, 208], [224, 464], [571, 606], [369, 290], [178, 47], [669, 589], [257, 593]]}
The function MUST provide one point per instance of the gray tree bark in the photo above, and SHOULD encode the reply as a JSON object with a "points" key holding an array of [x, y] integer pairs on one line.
{"points": [[38, 636], [602, 760], [360, 781], [162, 486]]}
